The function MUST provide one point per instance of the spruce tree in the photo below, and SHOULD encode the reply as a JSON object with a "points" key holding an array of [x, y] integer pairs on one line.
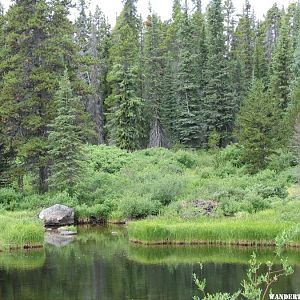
{"points": [[219, 104], [260, 63], [170, 97], [243, 46], [187, 82], [65, 145], [38, 46], [154, 85], [271, 26], [257, 126], [99, 45], [125, 106], [281, 68]]}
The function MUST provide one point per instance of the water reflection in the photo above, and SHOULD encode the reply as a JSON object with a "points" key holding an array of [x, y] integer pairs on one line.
{"points": [[102, 265]]}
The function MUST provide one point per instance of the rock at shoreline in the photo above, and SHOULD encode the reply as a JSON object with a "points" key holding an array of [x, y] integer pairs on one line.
{"points": [[57, 215]]}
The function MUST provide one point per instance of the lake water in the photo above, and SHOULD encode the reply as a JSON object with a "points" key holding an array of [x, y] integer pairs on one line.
{"points": [[101, 264]]}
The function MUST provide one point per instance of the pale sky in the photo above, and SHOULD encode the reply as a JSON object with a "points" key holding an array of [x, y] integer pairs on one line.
{"points": [[163, 7]]}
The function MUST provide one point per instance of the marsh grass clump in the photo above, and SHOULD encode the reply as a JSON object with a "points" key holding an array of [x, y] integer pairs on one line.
{"points": [[250, 230], [20, 230]]}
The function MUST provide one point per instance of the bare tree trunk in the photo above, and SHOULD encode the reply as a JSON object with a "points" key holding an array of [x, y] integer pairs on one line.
{"points": [[157, 137], [43, 179]]}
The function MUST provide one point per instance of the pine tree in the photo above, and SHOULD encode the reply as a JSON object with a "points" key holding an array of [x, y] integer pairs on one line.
{"points": [[244, 43], [170, 98], [65, 145], [125, 115], [38, 46], [219, 104], [260, 63], [271, 26], [257, 127], [188, 118], [82, 28], [99, 50], [281, 67], [154, 70]]}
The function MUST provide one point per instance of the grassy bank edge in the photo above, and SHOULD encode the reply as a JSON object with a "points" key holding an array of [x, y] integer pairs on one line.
{"points": [[20, 230], [233, 231]]}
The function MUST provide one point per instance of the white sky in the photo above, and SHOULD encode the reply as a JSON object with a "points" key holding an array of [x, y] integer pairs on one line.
{"points": [[163, 7]]}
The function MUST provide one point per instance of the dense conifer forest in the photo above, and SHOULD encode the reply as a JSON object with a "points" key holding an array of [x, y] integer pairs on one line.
{"points": [[205, 79]]}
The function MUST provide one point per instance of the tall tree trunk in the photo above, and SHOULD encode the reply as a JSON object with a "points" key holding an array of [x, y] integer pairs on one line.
{"points": [[43, 179], [157, 137]]}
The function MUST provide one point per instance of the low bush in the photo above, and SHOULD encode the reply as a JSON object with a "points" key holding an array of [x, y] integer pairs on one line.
{"points": [[136, 207], [9, 198]]}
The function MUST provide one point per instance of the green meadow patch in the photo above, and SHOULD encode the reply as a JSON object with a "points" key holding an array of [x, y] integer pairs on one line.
{"points": [[20, 230], [260, 229]]}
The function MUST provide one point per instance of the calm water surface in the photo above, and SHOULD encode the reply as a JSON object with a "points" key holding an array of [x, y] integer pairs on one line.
{"points": [[100, 264]]}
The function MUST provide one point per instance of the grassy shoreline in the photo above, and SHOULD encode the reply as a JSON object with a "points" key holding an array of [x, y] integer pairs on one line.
{"points": [[260, 230], [20, 230]]}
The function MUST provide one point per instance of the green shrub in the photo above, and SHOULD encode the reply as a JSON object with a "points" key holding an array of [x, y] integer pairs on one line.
{"points": [[135, 207], [166, 189], [99, 211], [289, 211], [186, 158], [270, 191], [257, 202], [281, 160], [232, 154], [9, 198], [107, 159]]}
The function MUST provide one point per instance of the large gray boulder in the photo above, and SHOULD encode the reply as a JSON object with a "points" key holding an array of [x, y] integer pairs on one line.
{"points": [[57, 215]]}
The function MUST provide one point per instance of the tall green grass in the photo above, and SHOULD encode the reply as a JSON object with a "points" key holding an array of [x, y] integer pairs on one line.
{"points": [[20, 230], [260, 229]]}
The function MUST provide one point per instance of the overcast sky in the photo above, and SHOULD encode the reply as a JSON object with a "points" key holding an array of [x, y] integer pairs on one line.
{"points": [[163, 7]]}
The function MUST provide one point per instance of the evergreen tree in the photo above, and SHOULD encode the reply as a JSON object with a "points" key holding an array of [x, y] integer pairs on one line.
{"points": [[257, 127], [271, 26], [170, 97], [219, 104], [281, 67], [154, 70], [188, 85], [260, 63], [125, 115], [243, 46], [99, 50], [38, 46], [65, 145]]}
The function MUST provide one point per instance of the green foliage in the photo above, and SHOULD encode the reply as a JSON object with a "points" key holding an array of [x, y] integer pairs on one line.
{"points": [[65, 139], [107, 159], [137, 207], [20, 230], [9, 198], [257, 127], [259, 229], [38, 46], [97, 211]]}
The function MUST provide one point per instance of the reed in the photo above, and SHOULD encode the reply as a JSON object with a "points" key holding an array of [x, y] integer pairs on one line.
{"points": [[260, 230], [20, 231]]}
